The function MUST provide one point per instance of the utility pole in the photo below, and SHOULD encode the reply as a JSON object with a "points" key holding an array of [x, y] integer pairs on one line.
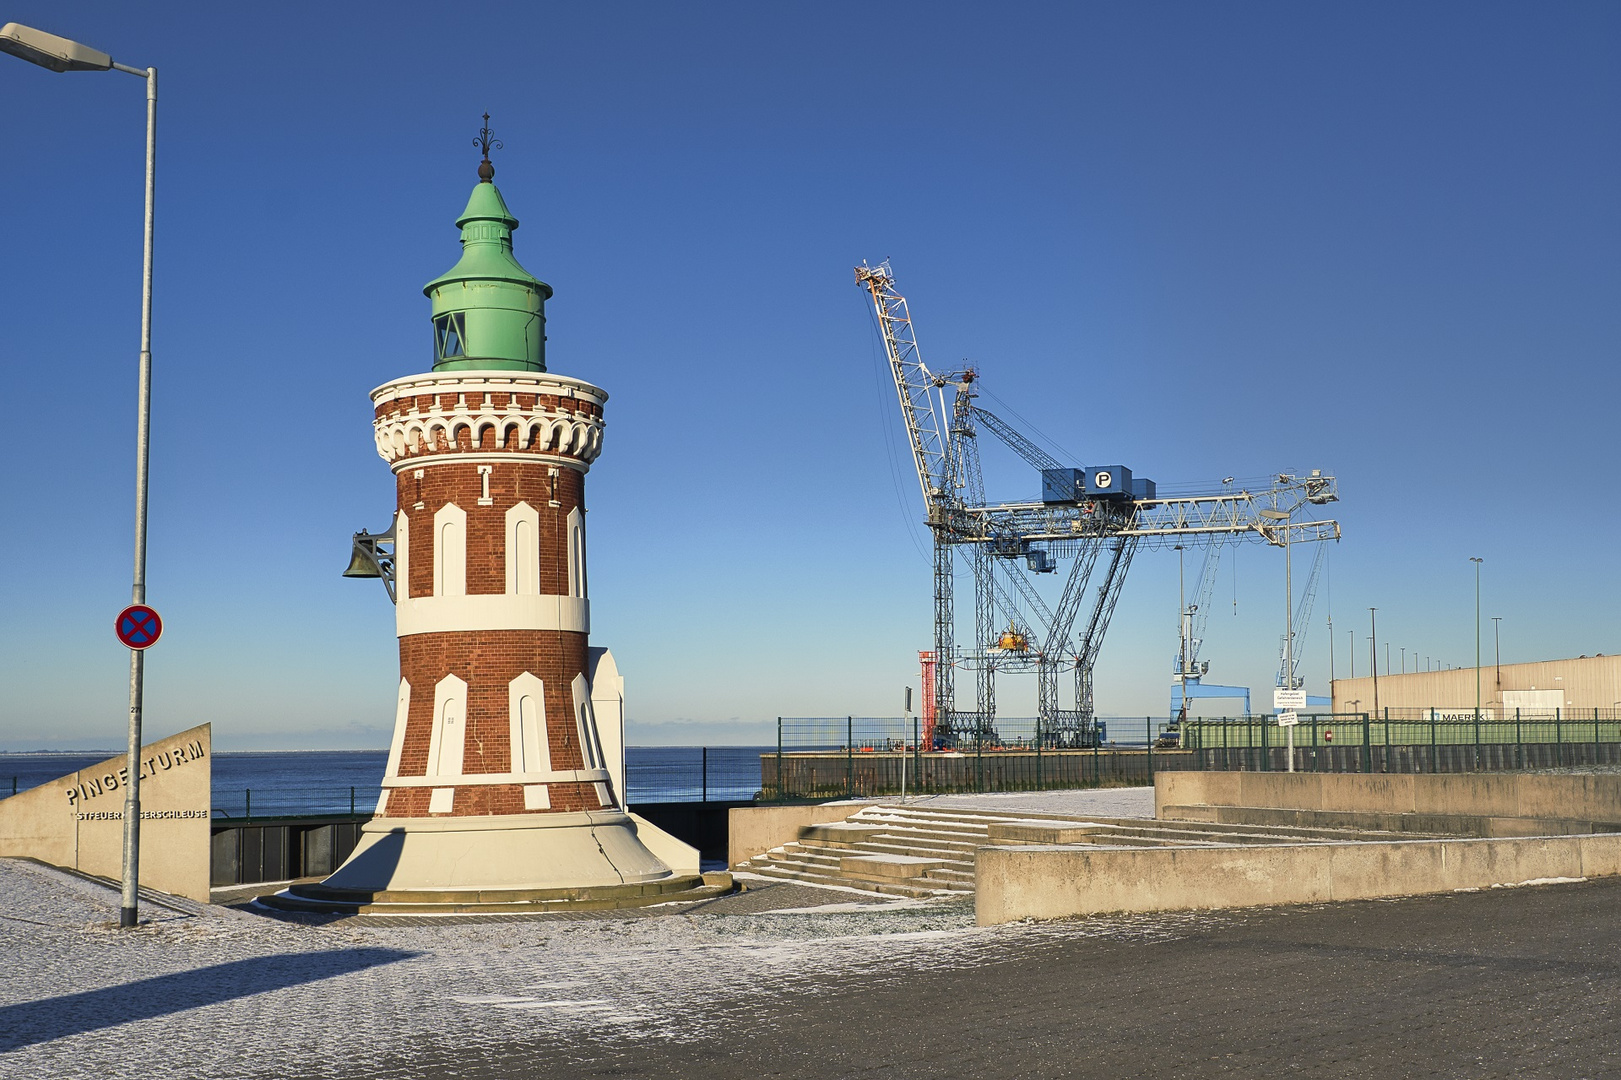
{"points": [[1373, 656]]}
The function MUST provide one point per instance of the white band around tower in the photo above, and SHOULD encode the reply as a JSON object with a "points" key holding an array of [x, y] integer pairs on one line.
{"points": [[498, 611]]}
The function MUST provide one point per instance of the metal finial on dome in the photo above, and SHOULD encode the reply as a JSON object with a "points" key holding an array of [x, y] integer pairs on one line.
{"points": [[486, 141]]}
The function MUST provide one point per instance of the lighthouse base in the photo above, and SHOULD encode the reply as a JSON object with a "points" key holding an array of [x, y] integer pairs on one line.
{"points": [[521, 862]]}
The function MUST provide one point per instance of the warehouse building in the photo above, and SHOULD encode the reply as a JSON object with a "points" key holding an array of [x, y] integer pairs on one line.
{"points": [[1575, 687]]}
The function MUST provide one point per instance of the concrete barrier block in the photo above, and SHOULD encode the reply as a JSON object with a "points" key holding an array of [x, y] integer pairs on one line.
{"points": [[1369, 871], [754, 830], [1196, 788], [1600, 855], [1294, 791], [1595, 796], [1483, 863], [1377, 793]]}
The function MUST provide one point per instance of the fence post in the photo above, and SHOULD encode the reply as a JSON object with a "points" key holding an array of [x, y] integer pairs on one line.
{"points": [[850, 756], [1266, 749], [703, 772], [1558, 740], [1148, 727], [247, 802], [1384, 755], [1519, 739], [979, 758], [1477, 742], [1040, 785], [917, 752], [351, 802], [781, 794], [1367, 743], [1097, 750], [1595, 735]]}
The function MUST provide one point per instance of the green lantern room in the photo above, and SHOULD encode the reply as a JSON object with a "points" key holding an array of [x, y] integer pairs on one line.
{"points": [[488, 311]]}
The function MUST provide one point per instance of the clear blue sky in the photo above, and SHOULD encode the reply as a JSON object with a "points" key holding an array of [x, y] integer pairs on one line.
{"points": [[1201, 240]]}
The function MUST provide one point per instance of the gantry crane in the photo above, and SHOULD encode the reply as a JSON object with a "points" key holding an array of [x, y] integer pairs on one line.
{"points": [[1290, 658], [1187, 669], [1087, 516]]}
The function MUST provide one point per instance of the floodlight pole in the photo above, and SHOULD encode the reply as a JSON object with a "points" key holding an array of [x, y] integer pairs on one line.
{"points": [[62, 54]]}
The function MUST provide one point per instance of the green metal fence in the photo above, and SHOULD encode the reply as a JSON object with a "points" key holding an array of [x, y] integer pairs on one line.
{"points": [[1410, 740]]}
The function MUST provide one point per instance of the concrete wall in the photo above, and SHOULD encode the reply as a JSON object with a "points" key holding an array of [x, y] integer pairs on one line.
{"points": [[752, 830], [1594, 797], [1054, 882], [77, 821], [1589, 683]]}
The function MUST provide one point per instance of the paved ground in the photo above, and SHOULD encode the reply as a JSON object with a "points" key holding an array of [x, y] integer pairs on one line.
{"points": [[1104, 802], [1520, 982]]}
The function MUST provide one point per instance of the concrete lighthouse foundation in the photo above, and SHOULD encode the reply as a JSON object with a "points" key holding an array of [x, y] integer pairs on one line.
{"points": [[504, 788]]}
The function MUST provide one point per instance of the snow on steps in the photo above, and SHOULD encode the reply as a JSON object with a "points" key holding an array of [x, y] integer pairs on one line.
{"points": [[921, 853]]}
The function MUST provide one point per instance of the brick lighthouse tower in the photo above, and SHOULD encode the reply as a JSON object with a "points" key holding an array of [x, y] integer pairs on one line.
{"points": [[505, 777]]}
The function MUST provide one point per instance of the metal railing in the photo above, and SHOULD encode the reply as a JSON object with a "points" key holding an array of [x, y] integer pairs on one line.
{"points": [[692, 774], [850, 756], [285, 802]]}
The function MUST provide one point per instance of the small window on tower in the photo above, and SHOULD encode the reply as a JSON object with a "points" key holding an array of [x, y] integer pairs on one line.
{"points": [[448, 335]]}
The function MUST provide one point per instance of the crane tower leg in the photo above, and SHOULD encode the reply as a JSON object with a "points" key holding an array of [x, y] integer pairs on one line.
{"points": [[944, 705], [985, 634]]}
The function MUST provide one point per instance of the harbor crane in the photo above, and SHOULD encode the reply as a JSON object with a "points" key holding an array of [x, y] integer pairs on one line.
{"points": [[1088, 516]]}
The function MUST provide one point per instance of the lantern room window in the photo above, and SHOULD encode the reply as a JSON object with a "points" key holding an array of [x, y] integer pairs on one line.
{"points": [[449, 336]]}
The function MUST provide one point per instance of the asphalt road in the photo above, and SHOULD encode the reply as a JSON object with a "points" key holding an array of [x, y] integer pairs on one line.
{"points": [[1513, 982]]}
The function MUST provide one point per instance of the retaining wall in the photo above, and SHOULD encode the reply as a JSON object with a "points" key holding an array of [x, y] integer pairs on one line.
{"points": [[1593, 797], [1054, 882]]}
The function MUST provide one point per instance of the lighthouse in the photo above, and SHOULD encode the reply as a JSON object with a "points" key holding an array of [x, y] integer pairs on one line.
{"points": [[504, 787]]}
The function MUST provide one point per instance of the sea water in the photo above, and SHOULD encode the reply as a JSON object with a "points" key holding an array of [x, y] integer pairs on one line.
{"points": [[264, 784]]}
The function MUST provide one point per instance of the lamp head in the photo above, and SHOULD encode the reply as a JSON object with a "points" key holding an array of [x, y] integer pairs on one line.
{"points": [[50, 51]]}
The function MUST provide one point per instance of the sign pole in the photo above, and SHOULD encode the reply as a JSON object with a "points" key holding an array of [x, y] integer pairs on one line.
{"points": [[128, 907]]}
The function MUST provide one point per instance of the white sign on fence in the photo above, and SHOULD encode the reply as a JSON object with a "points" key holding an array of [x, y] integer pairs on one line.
{"points": [[1288, 699], [1288, 719]]}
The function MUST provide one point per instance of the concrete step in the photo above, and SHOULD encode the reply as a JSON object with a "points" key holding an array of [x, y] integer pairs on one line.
{"points": [[916, 892], [889, 867], [952, 874]]}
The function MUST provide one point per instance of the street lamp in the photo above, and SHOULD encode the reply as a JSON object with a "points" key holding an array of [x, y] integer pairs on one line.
{"points": [[61, 54], [1477, 563], [1373, 656], [1497, 642]]}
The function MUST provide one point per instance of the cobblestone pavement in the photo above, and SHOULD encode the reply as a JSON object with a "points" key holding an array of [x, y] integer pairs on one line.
{"points": [[805, 983]]}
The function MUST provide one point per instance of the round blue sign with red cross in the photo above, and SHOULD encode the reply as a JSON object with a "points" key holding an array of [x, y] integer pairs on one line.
{"points": [[139, 626]]}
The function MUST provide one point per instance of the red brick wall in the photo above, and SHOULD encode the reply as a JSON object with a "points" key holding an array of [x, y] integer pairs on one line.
{"points": [[511, 482]]}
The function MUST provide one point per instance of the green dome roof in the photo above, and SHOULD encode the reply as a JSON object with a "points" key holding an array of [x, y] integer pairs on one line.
{"points": [[488, 311]]}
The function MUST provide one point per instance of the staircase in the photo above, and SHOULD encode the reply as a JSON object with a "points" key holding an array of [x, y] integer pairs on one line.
{"points": [[928, 853]]}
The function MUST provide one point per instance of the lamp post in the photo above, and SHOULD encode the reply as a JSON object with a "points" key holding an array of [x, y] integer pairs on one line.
{"points": [[1477, 563], [1497, 643], [1373, 656], [61, 54]]}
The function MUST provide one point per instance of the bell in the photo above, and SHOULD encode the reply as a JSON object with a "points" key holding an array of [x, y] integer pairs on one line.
{"points": [[361, 564]]}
